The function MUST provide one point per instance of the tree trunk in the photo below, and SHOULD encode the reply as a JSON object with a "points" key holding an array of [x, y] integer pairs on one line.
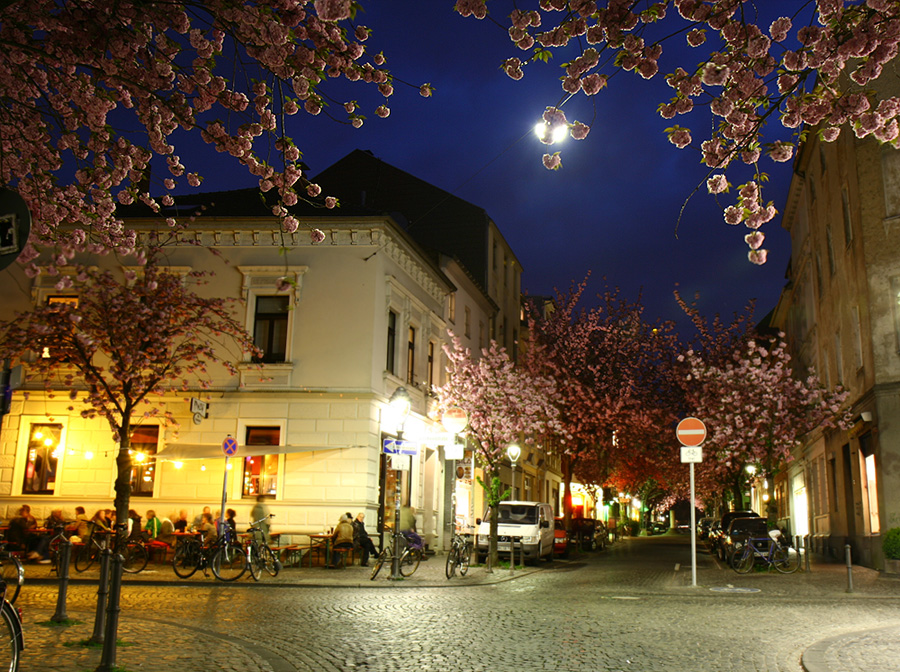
{"points": [[771, 506]]}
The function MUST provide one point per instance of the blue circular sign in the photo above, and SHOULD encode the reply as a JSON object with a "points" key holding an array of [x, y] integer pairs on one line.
{"points": [[229, 446]]}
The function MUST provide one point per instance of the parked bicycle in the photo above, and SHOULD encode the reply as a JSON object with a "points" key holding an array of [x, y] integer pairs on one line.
{"points": [[134, 553], [12, 572], [410, 555], [14, 643], [59, 536], [459, 555], [224, 556], [259, 556], [777, 554]]}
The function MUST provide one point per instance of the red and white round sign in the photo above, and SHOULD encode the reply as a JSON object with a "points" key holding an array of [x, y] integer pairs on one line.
{"points": [[691, 432]]}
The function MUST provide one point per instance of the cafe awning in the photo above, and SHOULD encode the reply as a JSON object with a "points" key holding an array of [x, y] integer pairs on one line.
{"points": [[208, 451]]}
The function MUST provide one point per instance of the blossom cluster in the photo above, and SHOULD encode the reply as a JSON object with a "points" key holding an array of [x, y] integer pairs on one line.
{"points": [[818, 72], [71, 73]]}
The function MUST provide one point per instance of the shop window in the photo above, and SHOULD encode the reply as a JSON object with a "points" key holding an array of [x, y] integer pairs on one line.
{"points": [[261, 471], [144, 442], [870, 485], [41, 463]]}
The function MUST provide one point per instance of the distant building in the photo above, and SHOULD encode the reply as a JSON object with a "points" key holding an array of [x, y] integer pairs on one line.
{"points": [[841, 312]]}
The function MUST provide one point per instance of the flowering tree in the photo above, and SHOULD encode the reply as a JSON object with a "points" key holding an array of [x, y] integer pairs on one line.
{"points": [[616, 387], [809, 68], [93, 90], [123, 346], [503, 403], [757, 411]]}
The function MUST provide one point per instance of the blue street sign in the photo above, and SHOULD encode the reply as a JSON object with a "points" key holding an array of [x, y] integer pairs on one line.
{"points": [[400, 447], [229, 446]]}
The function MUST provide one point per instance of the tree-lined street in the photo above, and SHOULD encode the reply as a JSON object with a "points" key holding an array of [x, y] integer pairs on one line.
{"points": [[628, 608]]}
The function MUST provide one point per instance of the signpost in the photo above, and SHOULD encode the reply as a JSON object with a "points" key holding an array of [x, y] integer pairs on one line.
{"points": [[229, 447], [691, 433]]}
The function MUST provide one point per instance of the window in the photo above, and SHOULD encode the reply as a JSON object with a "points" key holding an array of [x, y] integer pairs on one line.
{"points": [[481, 334], [468, 323], [270, 327], [857, 337], [819, 281], [411, 357], [430, 364], [838, 359], [60, 302], [261, 471], [871, 481], [144, 441], [451, 307], [42, 458], [848, 222], [895, 306], [391, 364]]}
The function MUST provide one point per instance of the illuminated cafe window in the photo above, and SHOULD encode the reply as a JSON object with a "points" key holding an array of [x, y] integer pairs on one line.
{"points": [[144, 441], [41, 462], [261, 471]]}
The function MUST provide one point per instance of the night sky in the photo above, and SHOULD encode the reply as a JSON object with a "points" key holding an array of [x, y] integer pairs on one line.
{"points": [[612, 208]]}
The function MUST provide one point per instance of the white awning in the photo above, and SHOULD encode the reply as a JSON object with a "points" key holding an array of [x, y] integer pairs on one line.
{"points": [[208, 451]]}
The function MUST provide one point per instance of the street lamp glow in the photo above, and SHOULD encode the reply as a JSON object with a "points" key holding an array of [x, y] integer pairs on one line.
{"points": [[513, 452], [550, 134]]}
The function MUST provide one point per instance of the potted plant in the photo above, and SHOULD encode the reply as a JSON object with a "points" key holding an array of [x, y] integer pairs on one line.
{"points": [[891, 547]]}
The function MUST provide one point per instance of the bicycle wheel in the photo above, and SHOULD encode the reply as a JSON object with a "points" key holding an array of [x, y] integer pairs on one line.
{"points": [[85, 557], [270, 562], [742, 561], [786, 560], [11, 643], [409, 561], [186, 559], [465, 554], [135, 557], [452, 559], [229, 562], [379, 561], [254, 561], [13, 573]]}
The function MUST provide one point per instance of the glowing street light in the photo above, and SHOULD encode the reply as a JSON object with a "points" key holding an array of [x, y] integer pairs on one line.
{"points": [[513, 452], [550, 134]]}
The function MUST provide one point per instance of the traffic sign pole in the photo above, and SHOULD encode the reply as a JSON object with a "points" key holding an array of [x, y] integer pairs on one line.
{"points": [[691, 433]]}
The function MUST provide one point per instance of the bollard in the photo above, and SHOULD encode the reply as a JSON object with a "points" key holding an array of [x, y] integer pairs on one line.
{"points": [[806, 550], [108, 657], [512, 555], [102, 592], [849, 568], [65, 553]]}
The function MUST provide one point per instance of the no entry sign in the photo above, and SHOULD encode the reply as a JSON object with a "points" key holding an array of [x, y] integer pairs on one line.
{"points": [[691, 432]]}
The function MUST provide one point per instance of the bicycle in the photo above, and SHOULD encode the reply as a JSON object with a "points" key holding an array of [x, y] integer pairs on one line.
{"points": [[134, 553], [58, 538], [224, 556], [459, 555], [780, 556], [12, 572], [410, 556], [259, 556], [11, 648]]}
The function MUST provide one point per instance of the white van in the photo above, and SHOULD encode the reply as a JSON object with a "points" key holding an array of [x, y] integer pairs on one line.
{"points": [[532, 521]]}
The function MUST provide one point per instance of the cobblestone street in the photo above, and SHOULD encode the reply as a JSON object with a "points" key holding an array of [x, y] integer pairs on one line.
{"points": [[631, 607]]}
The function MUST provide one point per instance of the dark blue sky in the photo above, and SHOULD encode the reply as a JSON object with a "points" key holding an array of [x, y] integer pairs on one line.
{"points": [[612, 209]]}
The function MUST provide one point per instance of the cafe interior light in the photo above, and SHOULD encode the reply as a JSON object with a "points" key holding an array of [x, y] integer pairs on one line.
{"points": [[178, 464], [88, 455]]}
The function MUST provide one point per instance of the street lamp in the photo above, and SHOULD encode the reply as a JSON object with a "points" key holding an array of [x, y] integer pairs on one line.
{"points": [[400, 403], [513, 452]]}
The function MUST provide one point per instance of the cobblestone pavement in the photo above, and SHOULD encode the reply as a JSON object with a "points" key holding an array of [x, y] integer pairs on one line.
{"points": [[631, 608]]}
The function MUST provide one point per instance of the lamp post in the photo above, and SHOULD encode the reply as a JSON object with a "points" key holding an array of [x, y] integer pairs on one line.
{"points": [[400, 402]]}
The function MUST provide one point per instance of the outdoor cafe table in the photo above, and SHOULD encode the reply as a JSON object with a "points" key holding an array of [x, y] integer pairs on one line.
{"points": [[325, 539]]}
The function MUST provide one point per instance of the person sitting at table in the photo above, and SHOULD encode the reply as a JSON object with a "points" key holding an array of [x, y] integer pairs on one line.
{"points": [[207, 527], [154, 524], [80, 526], [362, 540], [135, 529], [230, 522], [181, 522], [198, 521], [55, 519], [18, 534], [342, 539], [101, 520]]}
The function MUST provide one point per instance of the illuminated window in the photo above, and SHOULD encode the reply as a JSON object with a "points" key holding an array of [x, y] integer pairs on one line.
{"points": [[261, 471], [144, 441], [63, 302], [871, 481], [42, 459]]}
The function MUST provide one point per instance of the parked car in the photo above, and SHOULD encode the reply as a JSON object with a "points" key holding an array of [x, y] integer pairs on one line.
{"points": [[703, 527], [532, 521], [560, 538], [590, 534], [739, 531], [657, 527], [717, 542]]}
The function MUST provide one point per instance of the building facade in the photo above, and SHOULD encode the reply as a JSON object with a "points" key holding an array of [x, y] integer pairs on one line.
{"points": [[841, 313]]}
